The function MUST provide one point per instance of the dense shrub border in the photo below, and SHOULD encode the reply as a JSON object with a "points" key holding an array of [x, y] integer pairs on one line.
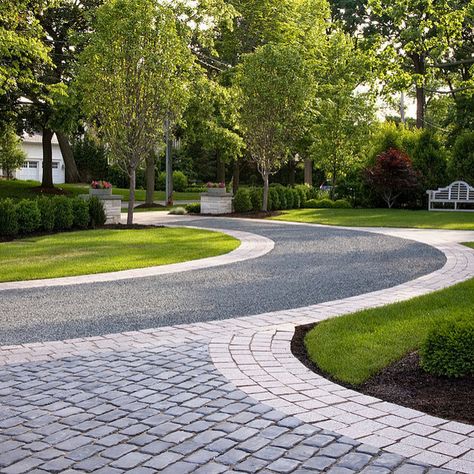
{"points": [[44, 214]]}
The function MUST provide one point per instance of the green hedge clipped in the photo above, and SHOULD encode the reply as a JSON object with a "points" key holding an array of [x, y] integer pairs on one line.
{"points": [[80, 211], [296, 198], [193, 208], [242, 200], [46, 209], [97, 215], [274, 201], [303, 192], [449, 350], [8, 219], [28, 216], [342, 204], [256, 196], [63, 215], [327, 204]]}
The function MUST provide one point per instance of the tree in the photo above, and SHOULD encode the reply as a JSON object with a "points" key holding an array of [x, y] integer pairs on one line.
{"points": [[462, 162], [274, 86], [392, 175], [343, 107], [134, 75], [11, 154]]}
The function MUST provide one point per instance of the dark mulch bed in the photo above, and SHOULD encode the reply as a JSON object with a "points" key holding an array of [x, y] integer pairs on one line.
{"points": [[406, 384], [247, 215], [108, 226], [50, 191]]}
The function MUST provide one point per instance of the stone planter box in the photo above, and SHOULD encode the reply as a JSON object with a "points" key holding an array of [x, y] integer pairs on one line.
{"points": [[216, 191], [100, 192], [112, 204], [216, 204]]}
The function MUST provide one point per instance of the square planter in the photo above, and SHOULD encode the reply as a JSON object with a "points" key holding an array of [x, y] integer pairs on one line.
{"points": [[100, 192], [217, 191]]}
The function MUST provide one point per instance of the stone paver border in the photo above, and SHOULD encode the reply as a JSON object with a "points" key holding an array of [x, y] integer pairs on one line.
{"points": [[253, 353], [251, 246]]}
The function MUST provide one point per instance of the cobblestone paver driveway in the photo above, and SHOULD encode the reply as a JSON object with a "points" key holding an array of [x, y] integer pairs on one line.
{"points": [[163, 410]]}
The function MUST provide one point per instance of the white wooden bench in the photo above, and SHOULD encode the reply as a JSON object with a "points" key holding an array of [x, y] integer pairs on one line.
{"points": [[456, 193]]}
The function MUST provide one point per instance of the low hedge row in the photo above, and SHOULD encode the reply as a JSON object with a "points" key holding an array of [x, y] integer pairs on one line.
{"points": [[448, 351], [279, 197], [49, 214], [327, 204]]}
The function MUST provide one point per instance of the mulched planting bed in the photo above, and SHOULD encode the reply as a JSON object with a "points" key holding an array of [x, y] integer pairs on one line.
{"points": [[406, 384]]}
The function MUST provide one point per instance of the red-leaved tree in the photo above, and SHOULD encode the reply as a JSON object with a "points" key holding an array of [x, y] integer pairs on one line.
{"points": [[392, 175]]}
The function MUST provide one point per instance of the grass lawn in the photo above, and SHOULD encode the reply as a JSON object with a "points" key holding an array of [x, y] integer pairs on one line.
{"points": [[25, 189], [354, 347], [107, 250], [382, 218]]}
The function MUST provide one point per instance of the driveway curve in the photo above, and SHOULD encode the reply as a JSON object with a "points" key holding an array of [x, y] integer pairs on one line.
{"points": [[309, 265]]}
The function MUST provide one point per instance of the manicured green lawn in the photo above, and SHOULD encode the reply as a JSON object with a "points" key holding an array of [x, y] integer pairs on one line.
{"points": [[104, 250], [25, 189], [381, 218], [354, 347]]}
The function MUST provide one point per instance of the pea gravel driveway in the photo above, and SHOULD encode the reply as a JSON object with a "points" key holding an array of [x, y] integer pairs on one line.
{"points": [[308, 265]]}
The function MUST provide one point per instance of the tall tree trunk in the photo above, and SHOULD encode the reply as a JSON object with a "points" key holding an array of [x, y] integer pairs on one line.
{"points": [[131, 199], [150, 179], [265, 191], [420, 69], [72, 174], [47, 181], [291, 171], [308, 172], [220, 170], [236, 177]]}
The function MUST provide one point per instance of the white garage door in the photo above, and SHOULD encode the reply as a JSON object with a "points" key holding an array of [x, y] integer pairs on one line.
{"points": [[30, 170]]}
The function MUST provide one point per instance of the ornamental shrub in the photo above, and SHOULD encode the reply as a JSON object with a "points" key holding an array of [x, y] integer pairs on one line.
{"points": [[256, 196], [46, 208], [449, 350], [242, 200], [281, 191], [341, 204], [8, 219], [97, 215], [63, 215], [319, 204], [462, 162], [296, 198], [303, 191], [80, 210], [274, 203], [289, 198], [178, 211], [28, 216], [193, 208], [180, 181]]}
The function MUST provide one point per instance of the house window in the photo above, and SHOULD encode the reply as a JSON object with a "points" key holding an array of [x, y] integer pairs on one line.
{"points": [[30, 164], [55, 165], [25, 164]]}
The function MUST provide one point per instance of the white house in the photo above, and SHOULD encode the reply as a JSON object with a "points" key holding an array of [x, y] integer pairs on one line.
{"points": [[33, 165]]}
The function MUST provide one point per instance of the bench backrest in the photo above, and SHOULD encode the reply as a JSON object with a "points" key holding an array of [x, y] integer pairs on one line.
{"points": [[457, 191]]}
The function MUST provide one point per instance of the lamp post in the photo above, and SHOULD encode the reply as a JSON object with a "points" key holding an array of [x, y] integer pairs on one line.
{"points": [[169, 166]]}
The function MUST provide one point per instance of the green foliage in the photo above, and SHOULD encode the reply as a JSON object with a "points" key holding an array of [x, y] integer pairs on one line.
{"points": [[91, 161], [178, 211], [46, 208], [97, 215], [28, 216], [274, 202], [289, 198], [319, 204], [193, 208], [8, 218], [449, 350], [303, 191], [63, 215], [11, 154], [296, 198], [80, 210], [341, 204], [242, 200], [256, 196], [180, 181], [462, 163]]}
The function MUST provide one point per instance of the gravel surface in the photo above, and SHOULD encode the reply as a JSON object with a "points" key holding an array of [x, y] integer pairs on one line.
{"points": [[309, 265]]}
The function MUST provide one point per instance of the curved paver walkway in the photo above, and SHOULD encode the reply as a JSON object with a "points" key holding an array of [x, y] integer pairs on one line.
{"points": [[151, 400]]}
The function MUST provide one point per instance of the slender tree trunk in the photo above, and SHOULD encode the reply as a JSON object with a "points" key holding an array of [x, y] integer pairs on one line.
{"points": [[291, 172], [47, 181], [150, 179], [265, 191], [131, 199], [236, 177], [308, 172], [72, 174], [220, 170], [420, 69]]}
